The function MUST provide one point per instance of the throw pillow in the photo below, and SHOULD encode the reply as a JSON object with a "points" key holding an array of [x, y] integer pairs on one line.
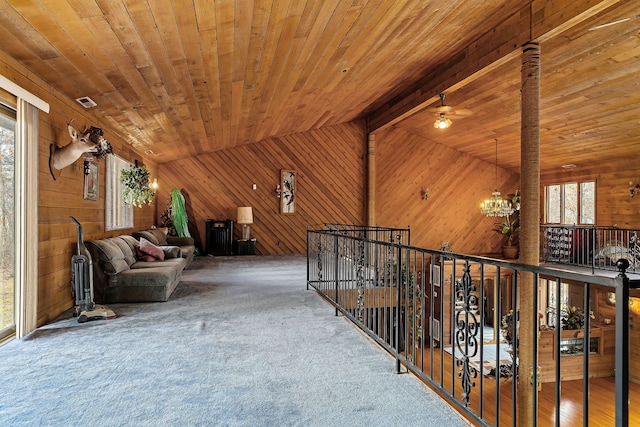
{"points": [[149, 248], [142, 256], [171, 252]]}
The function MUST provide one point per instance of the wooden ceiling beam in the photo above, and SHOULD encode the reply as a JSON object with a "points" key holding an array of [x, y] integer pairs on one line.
{"points": [[487, 53]]}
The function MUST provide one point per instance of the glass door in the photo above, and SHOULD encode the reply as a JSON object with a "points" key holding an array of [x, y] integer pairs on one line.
{"points": [[7, 221]]}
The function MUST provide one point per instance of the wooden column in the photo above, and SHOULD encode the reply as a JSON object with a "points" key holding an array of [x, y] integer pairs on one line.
{"points": [[371, 180], [529, 229]]}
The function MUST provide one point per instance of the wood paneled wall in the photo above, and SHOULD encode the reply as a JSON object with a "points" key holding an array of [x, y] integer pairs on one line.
{"points": [[457, 183], [58, 199], [329, 165]]}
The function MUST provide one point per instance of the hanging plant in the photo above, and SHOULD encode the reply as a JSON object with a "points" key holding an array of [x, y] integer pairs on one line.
{"points": [[135, 182]]}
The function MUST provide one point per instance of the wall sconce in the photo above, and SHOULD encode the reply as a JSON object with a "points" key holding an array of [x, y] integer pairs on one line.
{"points": [[424, 194], [278, 191], [633, 189], [154, 185]]}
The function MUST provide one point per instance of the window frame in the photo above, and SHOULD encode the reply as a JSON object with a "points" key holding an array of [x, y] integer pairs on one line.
{"points": [[580, 208], [8, 330], [118, 215]]}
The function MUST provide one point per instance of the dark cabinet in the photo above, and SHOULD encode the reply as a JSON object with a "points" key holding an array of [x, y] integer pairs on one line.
{"points": [[245, 247], [219, 238]]}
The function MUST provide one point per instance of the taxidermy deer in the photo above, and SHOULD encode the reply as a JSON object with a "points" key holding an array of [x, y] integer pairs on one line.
{"points": [[89, 140]]}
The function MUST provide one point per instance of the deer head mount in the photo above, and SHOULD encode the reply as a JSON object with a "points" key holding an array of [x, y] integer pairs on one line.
{"points": [[88, 140]]}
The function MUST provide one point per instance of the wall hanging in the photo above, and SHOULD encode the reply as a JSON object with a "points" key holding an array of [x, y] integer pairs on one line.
{"points": [[288, 186]]}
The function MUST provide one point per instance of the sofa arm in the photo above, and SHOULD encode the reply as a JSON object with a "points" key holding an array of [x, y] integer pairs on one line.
{"points": [[180, 241]]}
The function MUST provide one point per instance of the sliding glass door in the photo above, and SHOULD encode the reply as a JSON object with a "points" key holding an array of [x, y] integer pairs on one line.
{"points": [[7, 221]]}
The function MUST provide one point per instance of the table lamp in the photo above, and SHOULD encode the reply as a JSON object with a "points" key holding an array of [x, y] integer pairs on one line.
{"points": [[245, 217]]}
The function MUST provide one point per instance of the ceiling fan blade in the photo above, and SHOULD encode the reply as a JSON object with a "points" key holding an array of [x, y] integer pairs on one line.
{"points": [[608, 24], [461, 112], [443, 109]]}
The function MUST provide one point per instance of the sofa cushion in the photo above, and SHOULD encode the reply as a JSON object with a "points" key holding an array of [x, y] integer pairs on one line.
{"points": [[129, 255], [110, 257], [131, 241], [149, 248], [157, 236], [173, 263]]}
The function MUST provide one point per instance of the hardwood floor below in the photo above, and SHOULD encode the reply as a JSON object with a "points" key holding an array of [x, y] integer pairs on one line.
{"points": [[601, 401]]}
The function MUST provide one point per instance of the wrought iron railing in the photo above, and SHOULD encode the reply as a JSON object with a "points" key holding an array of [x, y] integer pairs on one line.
{"points": [[594, 247], [384, 234], [440, 315]]}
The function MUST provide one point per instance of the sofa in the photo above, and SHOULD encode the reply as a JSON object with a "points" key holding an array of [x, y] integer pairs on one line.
{"points": [[126, 269]]}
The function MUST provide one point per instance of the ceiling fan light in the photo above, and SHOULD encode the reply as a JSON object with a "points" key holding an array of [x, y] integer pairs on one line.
{"points": [[442, 122]]}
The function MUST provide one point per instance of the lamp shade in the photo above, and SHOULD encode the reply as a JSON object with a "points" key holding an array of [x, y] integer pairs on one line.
{"points": [[245, 215]]}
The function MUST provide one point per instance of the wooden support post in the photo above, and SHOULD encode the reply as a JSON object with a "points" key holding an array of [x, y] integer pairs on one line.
{"points": [[529, 230], [371, 180]]}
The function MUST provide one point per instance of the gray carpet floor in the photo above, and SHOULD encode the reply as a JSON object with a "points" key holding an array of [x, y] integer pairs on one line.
{"points": [[241, 342]]}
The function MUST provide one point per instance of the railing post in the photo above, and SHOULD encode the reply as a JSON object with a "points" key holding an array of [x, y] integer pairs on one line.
{"points": [[336, 272], [622, 345], [308, 253], [592, 242], [398, 301]]}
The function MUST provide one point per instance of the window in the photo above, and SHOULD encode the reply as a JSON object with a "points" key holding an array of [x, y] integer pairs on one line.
{"points": [[552, 306], [588, 202], [7, 221], [570, 203], [118, 214]]}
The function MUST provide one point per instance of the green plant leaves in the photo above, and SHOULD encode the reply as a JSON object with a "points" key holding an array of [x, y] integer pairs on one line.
{"points": [[135, 183]]}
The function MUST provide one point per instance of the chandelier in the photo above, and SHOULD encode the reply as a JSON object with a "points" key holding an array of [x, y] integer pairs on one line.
{"points": [[496, 206]]}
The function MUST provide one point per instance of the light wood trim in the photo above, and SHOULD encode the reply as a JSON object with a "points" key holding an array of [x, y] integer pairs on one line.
{"points": [[26, 164]]}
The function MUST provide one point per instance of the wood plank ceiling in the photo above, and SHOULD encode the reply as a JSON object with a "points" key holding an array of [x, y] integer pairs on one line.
{"points": [[178, 78]]}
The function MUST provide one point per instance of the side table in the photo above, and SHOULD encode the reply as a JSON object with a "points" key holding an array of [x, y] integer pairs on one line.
{"points": [[245, 247]]}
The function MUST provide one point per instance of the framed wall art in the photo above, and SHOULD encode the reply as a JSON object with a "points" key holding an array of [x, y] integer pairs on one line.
{"points": [[288, 186], [90, 179]]}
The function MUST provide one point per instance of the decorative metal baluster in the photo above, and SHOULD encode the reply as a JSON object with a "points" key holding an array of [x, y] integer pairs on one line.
{"points": [[319, 260], [634, 244], [360, 284], [466, 336]]}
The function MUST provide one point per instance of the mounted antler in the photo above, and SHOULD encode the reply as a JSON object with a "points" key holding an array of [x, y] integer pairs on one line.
{"points": [[89, 140]]}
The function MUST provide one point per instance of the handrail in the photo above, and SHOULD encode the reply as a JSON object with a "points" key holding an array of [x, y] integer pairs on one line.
{"points": [[427, 307], [595, 247]]}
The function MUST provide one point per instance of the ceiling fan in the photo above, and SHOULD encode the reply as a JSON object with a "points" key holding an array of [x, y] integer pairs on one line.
{"points": [[443, 112]]}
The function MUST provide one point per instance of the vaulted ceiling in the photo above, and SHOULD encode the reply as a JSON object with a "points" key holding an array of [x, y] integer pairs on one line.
{"points": [[180, 78]]}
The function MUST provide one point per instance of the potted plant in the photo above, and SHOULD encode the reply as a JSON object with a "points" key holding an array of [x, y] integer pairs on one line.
{"points": [[572, 318], [506, 330], [135, 183], [510, 227]]}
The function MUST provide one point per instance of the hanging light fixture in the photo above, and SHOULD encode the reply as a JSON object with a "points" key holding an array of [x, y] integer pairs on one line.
{"points": [[442, 122], [496, 206]]}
